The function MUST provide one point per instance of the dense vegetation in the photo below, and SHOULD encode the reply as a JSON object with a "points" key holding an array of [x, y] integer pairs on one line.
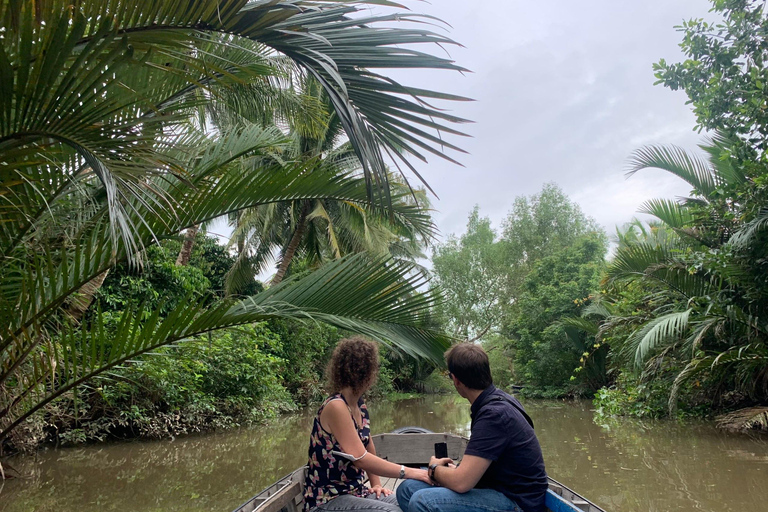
{"points": [[124, 124], [675, 320], [232, 377]]}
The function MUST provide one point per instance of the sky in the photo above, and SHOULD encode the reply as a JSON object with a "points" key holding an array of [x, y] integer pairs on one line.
{"points": [[563, 93]]}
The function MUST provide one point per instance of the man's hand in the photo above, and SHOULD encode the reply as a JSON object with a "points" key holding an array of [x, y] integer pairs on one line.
{"points": [[463, 478], [445, 461]]}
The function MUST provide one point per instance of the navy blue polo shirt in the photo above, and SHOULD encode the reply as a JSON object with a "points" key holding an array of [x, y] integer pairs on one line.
{"points": [[501, 434]]}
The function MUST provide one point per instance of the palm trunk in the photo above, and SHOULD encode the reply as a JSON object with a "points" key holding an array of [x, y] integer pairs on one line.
{"points": [[290, 249], [186, 248]]}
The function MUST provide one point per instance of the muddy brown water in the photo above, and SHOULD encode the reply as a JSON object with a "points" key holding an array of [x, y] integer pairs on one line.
{"points": [[624, 466]]}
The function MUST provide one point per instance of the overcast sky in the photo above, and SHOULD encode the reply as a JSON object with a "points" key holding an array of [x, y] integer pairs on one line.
{"points": [[564, 93]]}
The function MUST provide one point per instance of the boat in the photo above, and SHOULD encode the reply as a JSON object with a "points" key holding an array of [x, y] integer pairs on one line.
{"points": [[410, 446]]}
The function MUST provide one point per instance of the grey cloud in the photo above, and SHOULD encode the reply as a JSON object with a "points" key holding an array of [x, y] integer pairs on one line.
{"points": [[564, 92]]}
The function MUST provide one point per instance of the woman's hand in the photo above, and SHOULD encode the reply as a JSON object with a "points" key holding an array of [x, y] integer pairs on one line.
{"points": [[418, 474], [381, 491]]}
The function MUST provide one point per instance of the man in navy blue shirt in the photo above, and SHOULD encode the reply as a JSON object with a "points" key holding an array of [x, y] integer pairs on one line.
{"points": [[502, 468]]}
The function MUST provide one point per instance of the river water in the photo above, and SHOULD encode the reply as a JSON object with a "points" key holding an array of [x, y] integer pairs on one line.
{"points": [[624, 466]]}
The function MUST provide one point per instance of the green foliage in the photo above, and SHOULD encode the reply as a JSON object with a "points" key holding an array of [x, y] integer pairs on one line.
{"points": [[512, 290], [160, 284], [724, 75], [471, 271], [648, 398], [105, 151], [306, 349], [403, 373], [627, 397], [541, 224], [437, 382], [501, 355], [483, 273], [688, 293], [558, 286], [221, 381]]}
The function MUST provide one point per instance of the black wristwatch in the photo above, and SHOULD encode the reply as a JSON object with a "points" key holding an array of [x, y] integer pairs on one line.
{"points": [[431, 472]]}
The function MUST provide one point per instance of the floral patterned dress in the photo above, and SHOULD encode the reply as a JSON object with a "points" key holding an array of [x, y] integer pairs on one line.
{"points": [[328, 475]]}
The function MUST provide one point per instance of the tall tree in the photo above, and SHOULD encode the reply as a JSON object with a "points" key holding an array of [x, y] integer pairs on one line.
{"points": [[558, 286], [470, 269], [483, 273]]}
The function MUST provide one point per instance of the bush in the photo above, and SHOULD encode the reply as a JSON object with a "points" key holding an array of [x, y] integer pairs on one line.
{"points": [[229, 379], [557, 287], [305, 350]]}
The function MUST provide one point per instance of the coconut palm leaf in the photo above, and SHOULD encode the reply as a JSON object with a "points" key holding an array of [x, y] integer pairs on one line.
{"points": [[116, 91], [575, 325], [750, 360], [669, 212], [718, 147], [694, 170], [374, 296], [658, 331], [105, 151], [745, 236], [633, 261]]}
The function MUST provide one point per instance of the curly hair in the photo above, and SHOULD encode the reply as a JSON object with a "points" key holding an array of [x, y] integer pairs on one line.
{"points": [[354, 364]]}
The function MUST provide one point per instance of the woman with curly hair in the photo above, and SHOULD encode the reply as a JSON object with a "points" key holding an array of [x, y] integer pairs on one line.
{"points": [[341, 450]]}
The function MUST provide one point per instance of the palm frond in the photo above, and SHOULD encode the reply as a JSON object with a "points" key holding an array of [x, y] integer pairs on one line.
{"points": [[376, 297], [658, 331], [694, 170], [670, 212], [745, 236]]}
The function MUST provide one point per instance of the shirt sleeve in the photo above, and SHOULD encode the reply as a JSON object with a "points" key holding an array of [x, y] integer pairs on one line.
{"points": [[488, 439]]}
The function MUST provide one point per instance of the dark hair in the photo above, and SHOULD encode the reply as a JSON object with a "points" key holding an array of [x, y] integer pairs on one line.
{"points": [[354, 363], [469, 363]]}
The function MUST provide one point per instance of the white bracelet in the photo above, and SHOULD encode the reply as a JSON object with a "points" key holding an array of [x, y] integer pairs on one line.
{"points": [[349, 456]]}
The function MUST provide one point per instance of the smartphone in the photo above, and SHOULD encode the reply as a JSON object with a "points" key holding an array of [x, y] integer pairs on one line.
{"points": [[441, 450]]}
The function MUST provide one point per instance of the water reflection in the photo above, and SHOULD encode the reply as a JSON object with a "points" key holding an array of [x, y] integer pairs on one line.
{"points": [[624, 466]]}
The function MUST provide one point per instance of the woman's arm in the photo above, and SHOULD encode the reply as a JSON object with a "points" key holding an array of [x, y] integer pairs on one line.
{"points": [[336, 419], [372, 478]]}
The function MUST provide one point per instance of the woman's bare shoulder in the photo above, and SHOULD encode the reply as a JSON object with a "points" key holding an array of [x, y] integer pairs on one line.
{"points": [[334, 407]]}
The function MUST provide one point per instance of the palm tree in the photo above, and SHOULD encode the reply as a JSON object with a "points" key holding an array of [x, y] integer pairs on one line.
{"points": [[322, 229], [100, 158], [709, 305]]}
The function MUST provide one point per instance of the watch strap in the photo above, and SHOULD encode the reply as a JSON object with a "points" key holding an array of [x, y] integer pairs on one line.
{"points": [[431, 471]]}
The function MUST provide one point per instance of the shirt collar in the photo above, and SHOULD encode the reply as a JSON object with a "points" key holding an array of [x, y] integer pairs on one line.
{"points": [[480, 399]]}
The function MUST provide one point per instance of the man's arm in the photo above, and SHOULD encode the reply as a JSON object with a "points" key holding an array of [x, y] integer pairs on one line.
{"points": [[460, 478]]}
